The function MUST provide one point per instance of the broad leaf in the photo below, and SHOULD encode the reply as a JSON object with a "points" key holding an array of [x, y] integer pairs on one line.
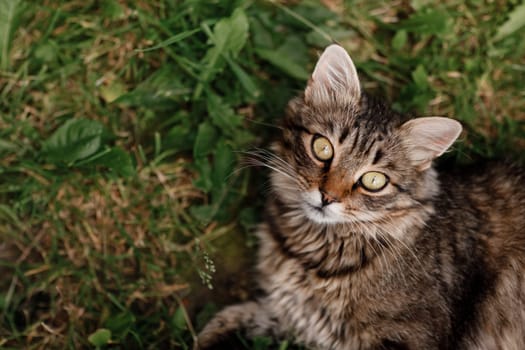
{"points": [[112, 91], [117, 161], [282, 62], [203, 182], [399, 40], [76, 139], [434, 22], [223, 164], [203, 213], [230, 34], [163, 90], [100, 337], [246, 81], [179, 320], [420, 77], [180, 138], [205, 141], [229, 37], [121, 323], [222, 115]]}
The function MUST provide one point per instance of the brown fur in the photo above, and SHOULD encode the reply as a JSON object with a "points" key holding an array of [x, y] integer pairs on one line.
{"points": [[430, 262]]}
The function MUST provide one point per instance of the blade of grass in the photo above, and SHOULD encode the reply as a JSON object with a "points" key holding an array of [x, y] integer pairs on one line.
{"points": [[9, 11], [516, 21], [303, 20], [174, 39]]}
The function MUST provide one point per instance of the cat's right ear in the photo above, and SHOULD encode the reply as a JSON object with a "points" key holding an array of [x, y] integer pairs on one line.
{"points": [[427, 138], [334, 80]]}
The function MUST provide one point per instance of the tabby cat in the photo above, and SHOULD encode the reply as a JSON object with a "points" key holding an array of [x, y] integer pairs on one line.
{"points": [[366, 246]]}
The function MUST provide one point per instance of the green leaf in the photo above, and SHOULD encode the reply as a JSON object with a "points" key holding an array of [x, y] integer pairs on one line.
{"points": [[283, 63], [117, 161], [222, 115], [429, 22], [163, 90], [261, 343], [230, 34], [178, 320], [47, 51], [76, 139], [203, 213], [516, 21], [205, 141], [261, 36], [204, 169], [10, 11], [420, 77], [113, 91], [294, 47], [112, 9], [180, 138], [120, 323], [229, 37], [223, 164], [399, 40], [246, 81], [100, 337]]}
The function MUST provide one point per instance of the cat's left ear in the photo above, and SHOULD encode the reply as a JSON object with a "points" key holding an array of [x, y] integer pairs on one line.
{"points": [[334, 80], [428, 138]]}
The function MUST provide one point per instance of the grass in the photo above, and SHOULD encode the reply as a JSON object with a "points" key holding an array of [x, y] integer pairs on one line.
{"points": [[122, 123]]}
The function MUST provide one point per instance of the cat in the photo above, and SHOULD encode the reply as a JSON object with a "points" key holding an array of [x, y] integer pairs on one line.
{"points": [[366, 246]]}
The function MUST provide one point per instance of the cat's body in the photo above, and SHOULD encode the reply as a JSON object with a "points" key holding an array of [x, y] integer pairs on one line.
{"points": [[365, 246]]}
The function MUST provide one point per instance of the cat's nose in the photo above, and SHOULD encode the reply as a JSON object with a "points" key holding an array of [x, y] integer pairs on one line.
{"points": [[327, 198]]}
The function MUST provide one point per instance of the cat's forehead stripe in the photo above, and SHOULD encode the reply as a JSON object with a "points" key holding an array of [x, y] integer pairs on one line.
{"points": [[344, 134], [378, 156], [355, 138]]}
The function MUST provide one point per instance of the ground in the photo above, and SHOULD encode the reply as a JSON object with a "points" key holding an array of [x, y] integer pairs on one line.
{"points": [[126, 216]]}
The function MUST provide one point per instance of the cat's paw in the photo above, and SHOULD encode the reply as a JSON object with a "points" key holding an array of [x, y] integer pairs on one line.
{"points": [[216, 331], [218, 341], [227, 323]]}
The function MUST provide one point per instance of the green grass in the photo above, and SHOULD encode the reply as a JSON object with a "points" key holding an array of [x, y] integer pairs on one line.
{"points": [[121, 124]]}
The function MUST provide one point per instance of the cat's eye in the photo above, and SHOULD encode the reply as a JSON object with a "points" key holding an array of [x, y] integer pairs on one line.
{"points": [[322, 148], [373, 181]]}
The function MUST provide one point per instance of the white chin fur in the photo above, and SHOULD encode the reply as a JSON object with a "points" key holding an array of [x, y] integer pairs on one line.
{"points": [[326, 215], [313, 209]]}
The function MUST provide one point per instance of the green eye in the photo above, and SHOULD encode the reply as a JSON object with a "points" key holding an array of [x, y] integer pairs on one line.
{"points": [[373, 181], [322, 149]]}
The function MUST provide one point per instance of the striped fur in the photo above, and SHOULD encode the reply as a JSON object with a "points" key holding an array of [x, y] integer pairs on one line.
{"points": [[433, 261]]}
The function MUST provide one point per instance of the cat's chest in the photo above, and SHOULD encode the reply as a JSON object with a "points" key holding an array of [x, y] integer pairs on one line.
{"points": [[341, 275], [327, 311]]}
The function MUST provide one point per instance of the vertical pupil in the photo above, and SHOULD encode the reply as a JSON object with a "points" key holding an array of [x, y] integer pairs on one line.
{"points": [[322, 148]]}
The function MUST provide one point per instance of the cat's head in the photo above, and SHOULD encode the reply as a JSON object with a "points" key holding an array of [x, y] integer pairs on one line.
{"points": [[345, 158]]}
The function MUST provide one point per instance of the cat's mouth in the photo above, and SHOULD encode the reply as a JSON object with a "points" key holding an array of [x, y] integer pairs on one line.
{"points": [[328, 214]]}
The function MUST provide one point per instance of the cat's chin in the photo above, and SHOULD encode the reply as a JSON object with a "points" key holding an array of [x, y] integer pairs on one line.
{"points": [[324, 215]]}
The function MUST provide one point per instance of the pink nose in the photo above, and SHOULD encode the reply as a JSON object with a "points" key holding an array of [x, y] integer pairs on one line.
{"points": [[327, 198]]}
